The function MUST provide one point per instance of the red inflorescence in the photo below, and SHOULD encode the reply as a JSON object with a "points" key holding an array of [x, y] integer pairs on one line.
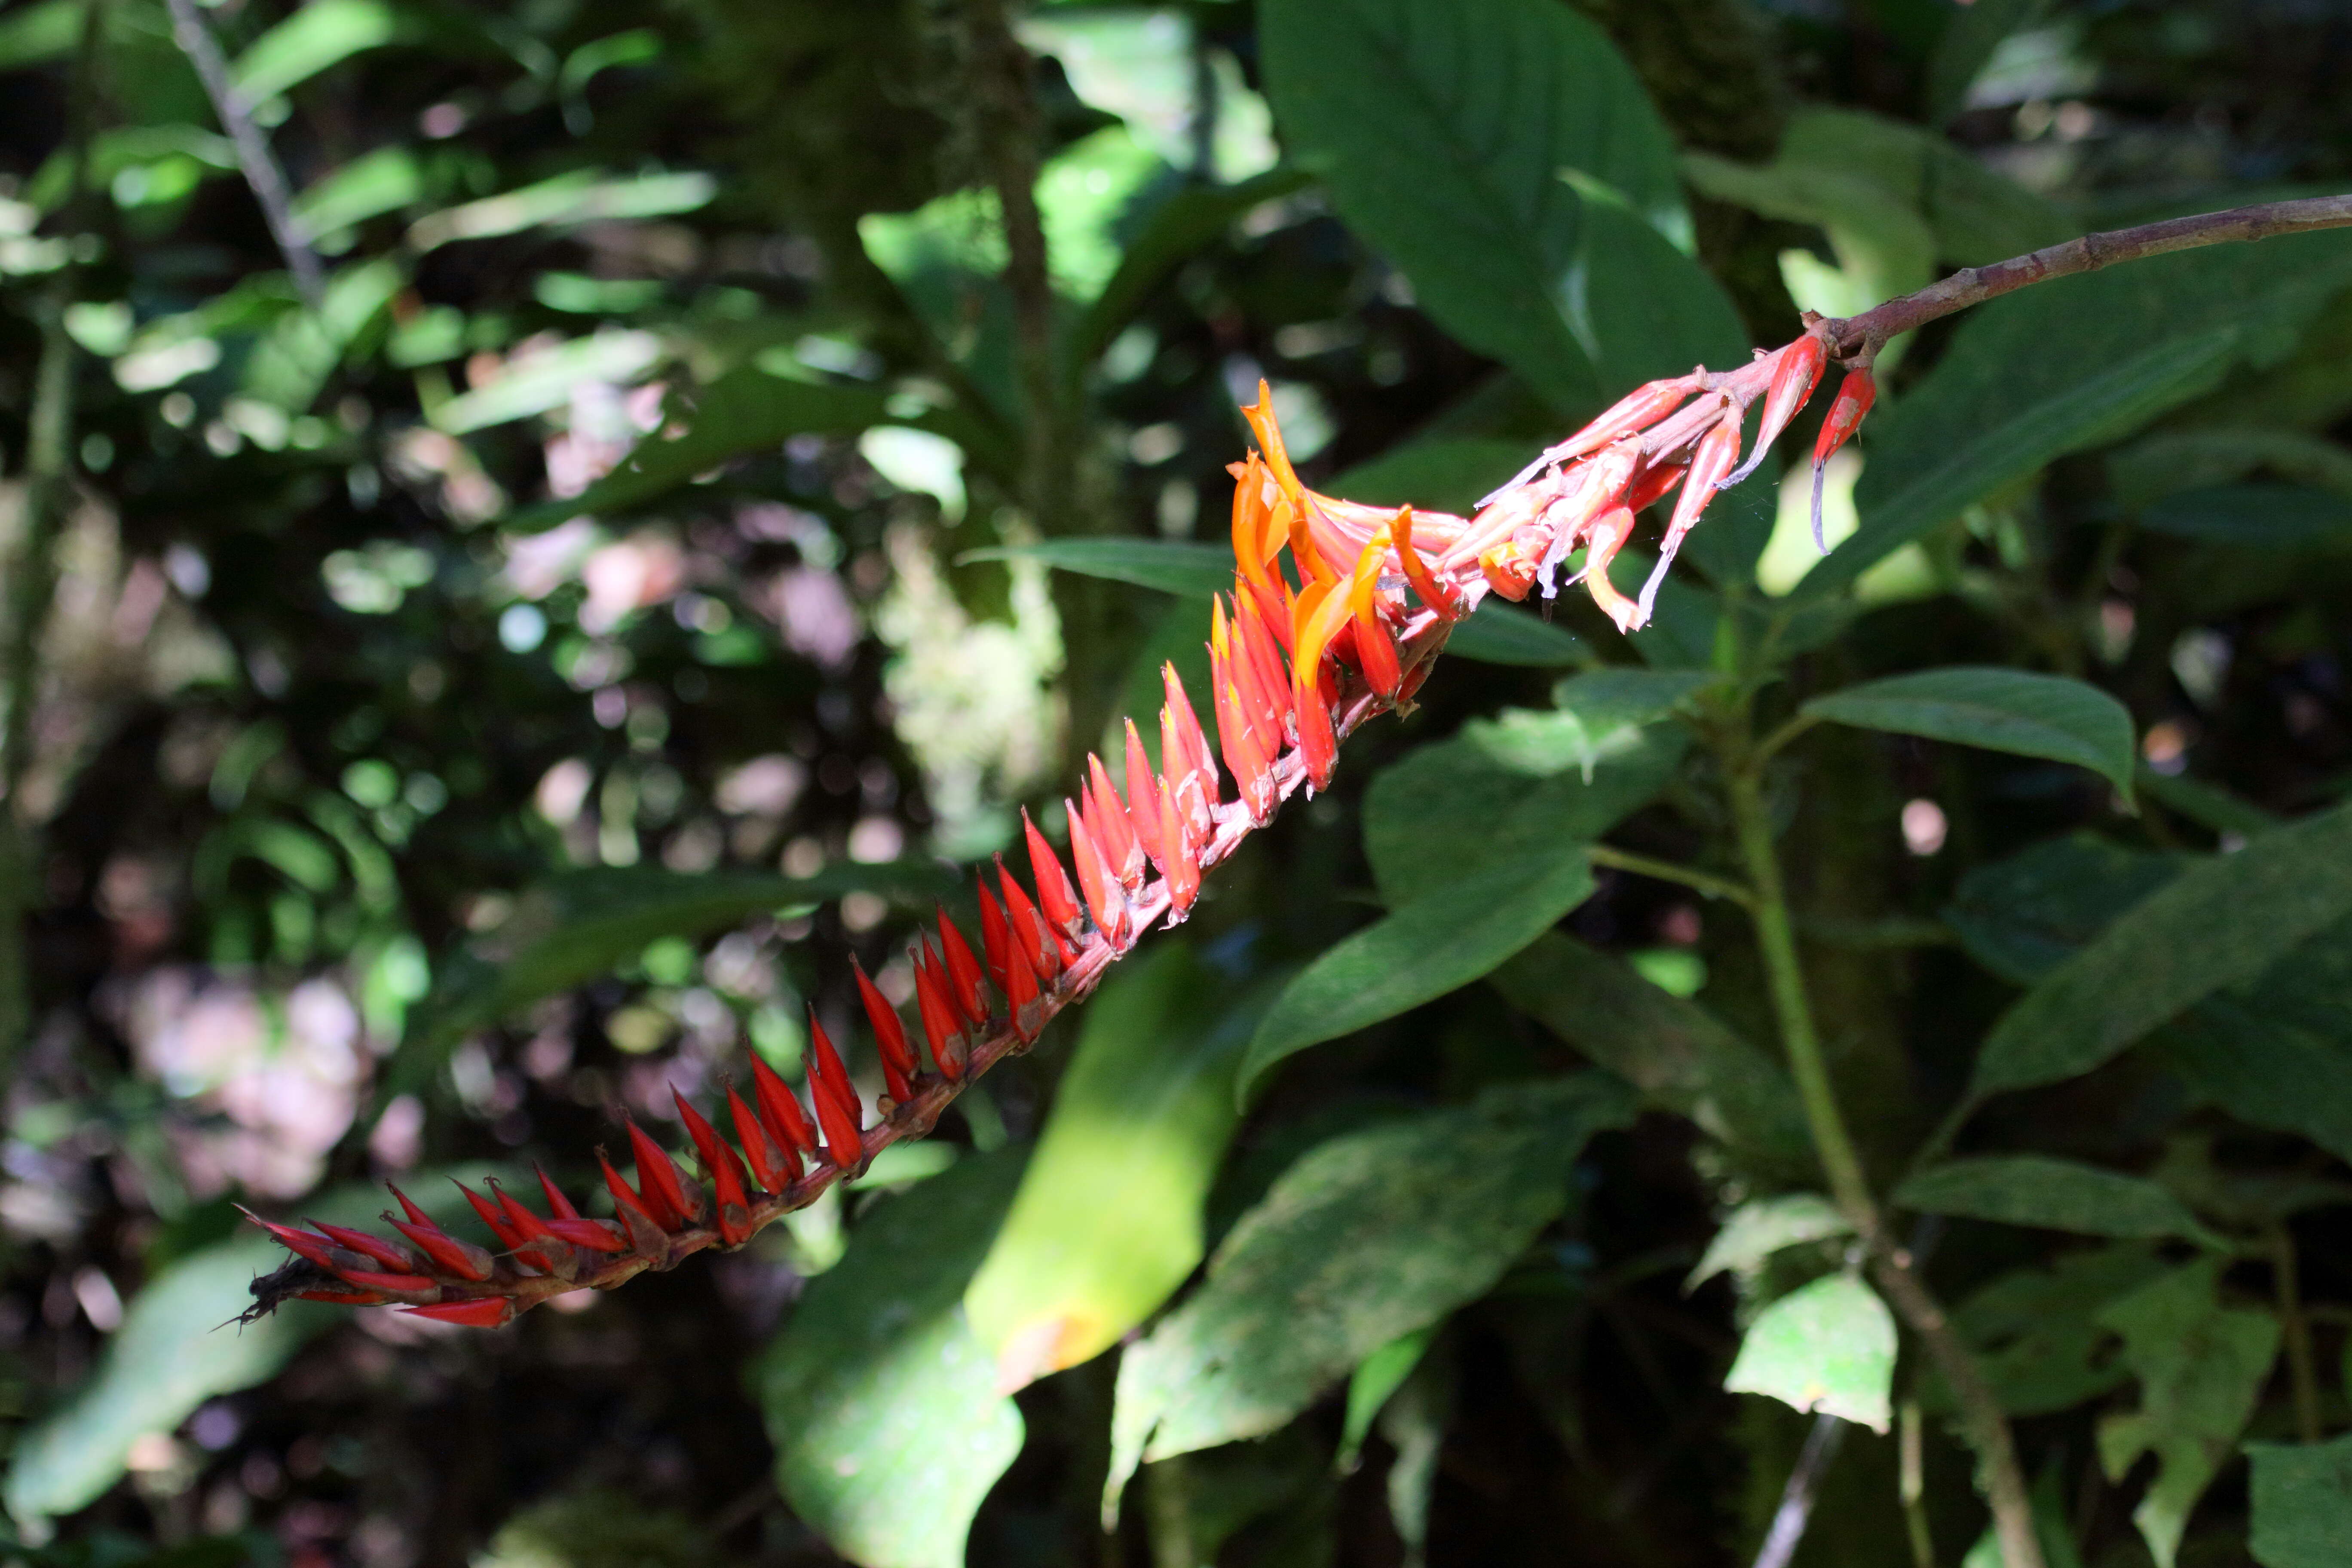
{"points": [[1298, 657]]}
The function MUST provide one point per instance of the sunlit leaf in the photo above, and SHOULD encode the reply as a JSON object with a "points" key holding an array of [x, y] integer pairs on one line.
{"points": [[1108, 1220], [2052, 1193], [1368, 1238], [2001, 709], [2200, 1366], [1757, 1229], [884, 1407], [317, 36], [1829, 1347], [562, 201]]}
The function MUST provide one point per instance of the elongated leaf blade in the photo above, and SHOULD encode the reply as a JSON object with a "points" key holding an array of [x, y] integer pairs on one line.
{"points": [[2302, 1503], [1429, 947], [2223, 921], [1369, 1236], [1108, 1221], [1443, 131], [884, 1407], [2001, 709], [2053, 1194], [2070, 364]]}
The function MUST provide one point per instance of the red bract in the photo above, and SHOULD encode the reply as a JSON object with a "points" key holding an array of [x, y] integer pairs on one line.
{"points": [[1854, 395], [1303, 653]]}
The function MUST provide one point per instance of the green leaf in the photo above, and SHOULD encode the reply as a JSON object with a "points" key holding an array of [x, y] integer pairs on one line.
{"points": [[1677, 1054], [2202, 1366], [1828, 1347], [2023, 916], [1967, 47], [2000, 709], [888, 1426], [1382, 1373], [2070, 364], [2302, 1503], [1503, 793], [1186, 223], [2053, 1195], [1193, 570], [173, 1352], [2036, 1333], [1762, 1226], [1438, 942], [1497, 634], [547, 380], [1366, 1238], [2276, 1051], [2257, 516], [747, 412], [577, 927], [2223, 921], [565, 200], [1108, 1219], [1434, 473], [1442, 133], [1600, 703], [322, 34]]}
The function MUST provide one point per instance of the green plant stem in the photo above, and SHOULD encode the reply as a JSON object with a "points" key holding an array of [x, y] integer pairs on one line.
{"points": [[1891, 1266], [1713, 887], [1914, 1487], [2294, 1331]]}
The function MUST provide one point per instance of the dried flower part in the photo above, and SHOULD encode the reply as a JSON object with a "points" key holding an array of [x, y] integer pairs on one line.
{"points": [[1301, 654]]}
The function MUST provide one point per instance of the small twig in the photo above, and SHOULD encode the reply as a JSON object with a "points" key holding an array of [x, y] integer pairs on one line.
{"points": [[1713, 887], [2295, 1329], [1788, 1520], [1857, 338], [262, 174], [1914, 1488]]}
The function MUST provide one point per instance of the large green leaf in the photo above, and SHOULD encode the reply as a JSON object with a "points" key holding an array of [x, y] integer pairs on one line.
{"points": [[1680, 1056], [1368, 1238], [1505, 792], [179, 1346], [2261, 517], [2036, 1331], [1108, 1219], [322, 34], [1438, 942], [2225, 922], [1442, 132], [2302, 1503], [2200, 1366], [2052, 1193], [2023, 916], [1829, 1347], [746, 412], [2069, 364], [1185, 223], [2001, 709], [578, 926], [888, 1426], [2276, 1049]]}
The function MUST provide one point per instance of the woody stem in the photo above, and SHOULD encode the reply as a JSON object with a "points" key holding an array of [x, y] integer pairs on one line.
{"points": [[1858, 337], [1890, 1265]]}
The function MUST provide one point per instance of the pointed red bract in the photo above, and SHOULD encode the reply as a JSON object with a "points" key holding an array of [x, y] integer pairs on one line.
{"points": [[1425, 582], [415, 1215], [1055, 898], [317, 1249], [779, 1108], [836, 1102], [483, 1313], [1796, 372], [595, 1234], [1719, 449], [557, 1204], [963, 972], [646, 1233], [527, 1224], [995, 939], [773, 1166], [940, 1026], [1184, 869], [389, 1284], [462, 1258], [725, 1174], [399, 1259], [1105, 901], [890, 1032], [493, 1216], [1855, 394], [1141, 813], [662, 1186], [1028, 927], [1114, 834], [1186, 763]]}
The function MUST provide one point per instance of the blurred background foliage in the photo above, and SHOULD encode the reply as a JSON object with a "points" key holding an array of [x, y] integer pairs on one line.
{"points": [[533, 530]]}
